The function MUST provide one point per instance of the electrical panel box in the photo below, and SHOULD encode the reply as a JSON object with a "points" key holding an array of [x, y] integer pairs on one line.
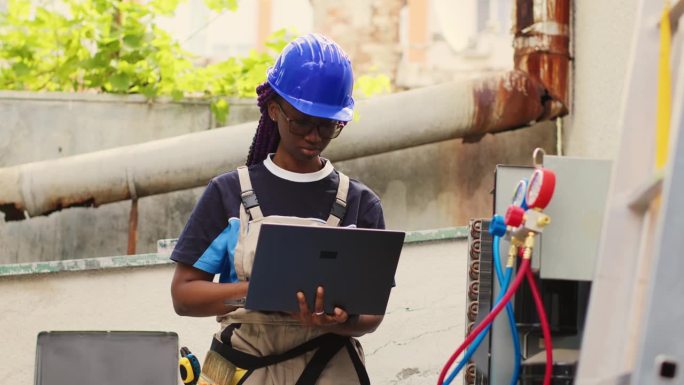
{"points": [[571, 241], [564, 254], [569, 245]]}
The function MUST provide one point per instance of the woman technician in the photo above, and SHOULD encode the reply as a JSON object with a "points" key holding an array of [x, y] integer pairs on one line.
{"points": [[305, 103]]}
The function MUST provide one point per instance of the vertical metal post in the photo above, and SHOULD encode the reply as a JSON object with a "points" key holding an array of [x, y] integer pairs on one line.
{"points": [[133, 216], [660, 351], [133, 227], [608, 348]]}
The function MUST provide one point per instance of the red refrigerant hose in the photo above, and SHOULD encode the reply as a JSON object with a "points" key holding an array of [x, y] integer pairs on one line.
{"points": [[524, 268], [546, 330]]}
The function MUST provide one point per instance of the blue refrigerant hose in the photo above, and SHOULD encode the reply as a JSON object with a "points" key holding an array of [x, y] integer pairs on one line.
{"points": [[509, 311], [503, 283]]}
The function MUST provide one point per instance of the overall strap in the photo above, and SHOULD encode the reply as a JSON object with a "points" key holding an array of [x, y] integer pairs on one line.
{"points": [[247, 194], [250, 362], [326, 346], [339, 208]]}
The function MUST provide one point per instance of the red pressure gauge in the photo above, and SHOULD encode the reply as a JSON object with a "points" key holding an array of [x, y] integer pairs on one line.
{"points": [[540, 189]]}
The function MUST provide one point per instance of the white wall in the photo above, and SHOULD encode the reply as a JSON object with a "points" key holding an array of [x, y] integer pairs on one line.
{"points": [[423, 325], [218, 36], [601, 49]]}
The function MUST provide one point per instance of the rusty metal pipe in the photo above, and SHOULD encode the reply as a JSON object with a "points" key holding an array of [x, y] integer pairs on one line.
{"points": [[133, 214], [393, 122], [676, 12], [542, 49]]}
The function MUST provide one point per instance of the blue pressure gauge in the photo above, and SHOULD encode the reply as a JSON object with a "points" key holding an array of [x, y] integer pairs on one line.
{"points": [[519, 195]]}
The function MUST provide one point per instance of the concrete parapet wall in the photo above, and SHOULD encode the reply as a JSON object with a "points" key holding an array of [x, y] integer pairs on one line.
{"points": [[422, 326], [39, 126]]}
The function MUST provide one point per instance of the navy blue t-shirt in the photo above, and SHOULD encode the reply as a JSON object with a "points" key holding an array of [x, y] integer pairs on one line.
{"points": [[209, 238]]}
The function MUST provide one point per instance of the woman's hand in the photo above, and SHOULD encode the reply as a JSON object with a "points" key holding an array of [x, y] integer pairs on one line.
{"points": [[317, 317], [194, 293], [339, 322]]}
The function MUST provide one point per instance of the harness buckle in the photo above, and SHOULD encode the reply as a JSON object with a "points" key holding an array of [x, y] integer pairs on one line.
{"points": [[339, 209], [249, 199]]}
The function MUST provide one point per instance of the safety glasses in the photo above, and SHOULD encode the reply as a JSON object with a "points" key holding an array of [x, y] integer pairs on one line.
{"points": [[327, 129]]}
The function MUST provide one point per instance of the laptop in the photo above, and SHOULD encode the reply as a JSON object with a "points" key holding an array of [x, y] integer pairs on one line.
{"points": [[356, 268]]}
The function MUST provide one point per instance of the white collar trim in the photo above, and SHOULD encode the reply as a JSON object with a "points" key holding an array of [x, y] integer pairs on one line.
{"points": [[298, 177]]}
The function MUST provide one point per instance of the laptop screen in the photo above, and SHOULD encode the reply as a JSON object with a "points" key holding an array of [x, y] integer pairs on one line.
{"points": [[356, 267]]}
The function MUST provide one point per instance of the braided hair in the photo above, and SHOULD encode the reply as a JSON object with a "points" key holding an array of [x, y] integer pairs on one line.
{"points": [[266, 138]]}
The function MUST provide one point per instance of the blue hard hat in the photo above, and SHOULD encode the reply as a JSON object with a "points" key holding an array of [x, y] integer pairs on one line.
{"points": [[315, 76]]}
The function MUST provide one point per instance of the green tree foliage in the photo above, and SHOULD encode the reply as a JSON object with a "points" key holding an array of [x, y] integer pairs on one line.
{"points": [[116, 46], [372, 84]]}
